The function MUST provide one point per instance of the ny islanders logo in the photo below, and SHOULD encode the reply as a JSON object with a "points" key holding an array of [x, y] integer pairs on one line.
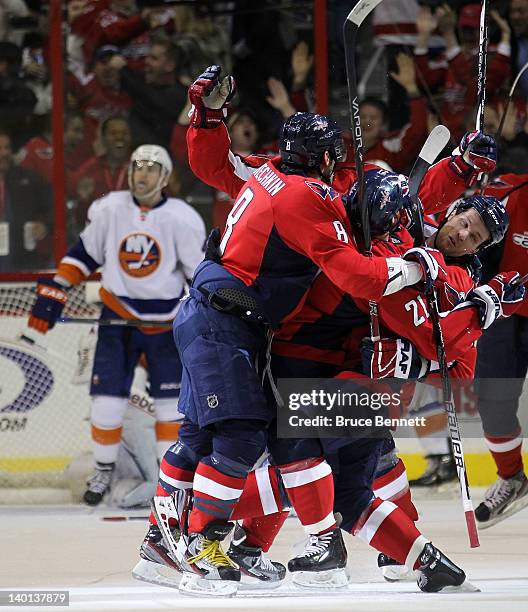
{"points": [[139, 254]]}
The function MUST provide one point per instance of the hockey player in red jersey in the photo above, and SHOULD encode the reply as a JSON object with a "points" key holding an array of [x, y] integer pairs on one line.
{"points": [[502, 365], [286, 224]]}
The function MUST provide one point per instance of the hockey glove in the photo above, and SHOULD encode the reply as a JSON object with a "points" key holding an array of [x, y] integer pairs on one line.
{"points": [[212, 245], [499, 299], [51, 298], [476, 153], [432, 264], [392, 358], [210, 98]]}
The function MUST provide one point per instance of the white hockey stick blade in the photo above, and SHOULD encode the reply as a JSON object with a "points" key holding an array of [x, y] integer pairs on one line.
{"points": [[435, 143], [362, 10], [154, 573]]}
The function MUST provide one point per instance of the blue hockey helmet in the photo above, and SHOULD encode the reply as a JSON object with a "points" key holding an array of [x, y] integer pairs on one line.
{"points": [[492, 212], [306, 136], [388, 201]]}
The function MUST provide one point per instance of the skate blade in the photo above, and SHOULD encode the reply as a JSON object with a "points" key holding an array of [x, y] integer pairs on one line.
{"points": [[516, 506], [193, 585], [465, 587], [148, 571], [248, 583], [398, 573], [330, 579]]}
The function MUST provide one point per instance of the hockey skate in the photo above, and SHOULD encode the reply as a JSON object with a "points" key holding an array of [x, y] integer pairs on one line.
{"points": [[394, 571], [502, 499], [156, 564], [208, 570], [322, 563], [98, 484], [441, 469], [436, 571], [256, 570]]}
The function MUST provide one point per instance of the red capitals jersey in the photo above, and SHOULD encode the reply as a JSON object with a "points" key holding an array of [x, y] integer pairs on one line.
{"points": [[282, 229], [512, 189]]}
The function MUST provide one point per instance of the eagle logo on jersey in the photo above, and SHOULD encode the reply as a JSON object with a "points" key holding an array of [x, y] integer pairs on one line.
{"points": [[323, 191], [139, 255]]}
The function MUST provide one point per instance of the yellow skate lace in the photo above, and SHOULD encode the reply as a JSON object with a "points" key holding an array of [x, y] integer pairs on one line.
{"points": [[213, 553]]}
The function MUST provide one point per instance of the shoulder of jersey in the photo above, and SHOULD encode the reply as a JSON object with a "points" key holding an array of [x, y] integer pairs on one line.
{"points": [[110, 202], [183, 211]]}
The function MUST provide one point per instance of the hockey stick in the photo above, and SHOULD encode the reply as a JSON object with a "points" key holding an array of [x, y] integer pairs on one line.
{"points": [[350, 29], [117, 322], [432, 147], [482, 64], [452, 420], [508, 102]]}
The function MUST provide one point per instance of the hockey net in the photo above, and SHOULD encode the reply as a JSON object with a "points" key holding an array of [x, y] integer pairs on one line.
{"points": [[44, 399]]}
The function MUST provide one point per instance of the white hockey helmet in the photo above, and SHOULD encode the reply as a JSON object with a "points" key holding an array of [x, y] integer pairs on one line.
{"points": [[154, 154]]}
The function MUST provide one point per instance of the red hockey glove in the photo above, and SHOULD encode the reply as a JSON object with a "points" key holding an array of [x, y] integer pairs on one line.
{"points": [[432, 263], [499, 299], [392, 358], [51, 298], [476, 153], [210, 98]]}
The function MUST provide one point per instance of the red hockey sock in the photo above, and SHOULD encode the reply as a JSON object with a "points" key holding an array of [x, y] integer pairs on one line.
{"points": [[388, 529], [393, 486], [506, 451], [262, 531], [310, 487], [261, 495], [215, 495]]}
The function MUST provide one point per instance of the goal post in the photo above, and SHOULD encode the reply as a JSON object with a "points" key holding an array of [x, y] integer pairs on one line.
{"points": [[44, 395]]}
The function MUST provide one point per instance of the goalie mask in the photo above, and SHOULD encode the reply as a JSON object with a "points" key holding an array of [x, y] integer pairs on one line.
{"points": [[150, 154]]}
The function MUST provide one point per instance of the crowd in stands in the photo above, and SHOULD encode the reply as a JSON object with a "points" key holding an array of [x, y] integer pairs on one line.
{"points": [[128, 64]]}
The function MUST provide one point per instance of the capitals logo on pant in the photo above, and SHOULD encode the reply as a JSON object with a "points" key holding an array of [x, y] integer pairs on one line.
{"points": [[139, 254]]}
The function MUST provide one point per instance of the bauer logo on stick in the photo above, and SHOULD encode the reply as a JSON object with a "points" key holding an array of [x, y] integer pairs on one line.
{"points": [[139, 254]]}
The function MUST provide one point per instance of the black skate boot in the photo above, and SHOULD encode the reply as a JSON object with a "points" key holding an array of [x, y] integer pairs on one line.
{"points": [[255, 568], [394, 571], [98, 484], [154, 554], [436, 571], [322, 562], [502, 499], [208, 570], [440, 469]]}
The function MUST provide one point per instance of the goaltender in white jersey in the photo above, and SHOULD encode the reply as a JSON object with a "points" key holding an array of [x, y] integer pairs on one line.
{"points": [[147, 246]]}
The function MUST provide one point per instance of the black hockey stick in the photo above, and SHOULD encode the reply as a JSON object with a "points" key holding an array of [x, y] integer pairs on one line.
{"points": [[482, 65], [433, 146], [452, 420], [430, 150], [350, 29], [117, 322]]}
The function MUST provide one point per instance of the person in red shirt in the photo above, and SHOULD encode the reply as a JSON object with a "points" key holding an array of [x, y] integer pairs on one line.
{"points": [[100, 96], [108, 172], [37, 153], [502, 365], [397, 149], [453, 74]]}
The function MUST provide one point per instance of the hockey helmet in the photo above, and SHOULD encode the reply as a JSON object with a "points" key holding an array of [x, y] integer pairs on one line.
{"points": [[388, 201], [151, 154], [493, 214], [306, 136]]}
